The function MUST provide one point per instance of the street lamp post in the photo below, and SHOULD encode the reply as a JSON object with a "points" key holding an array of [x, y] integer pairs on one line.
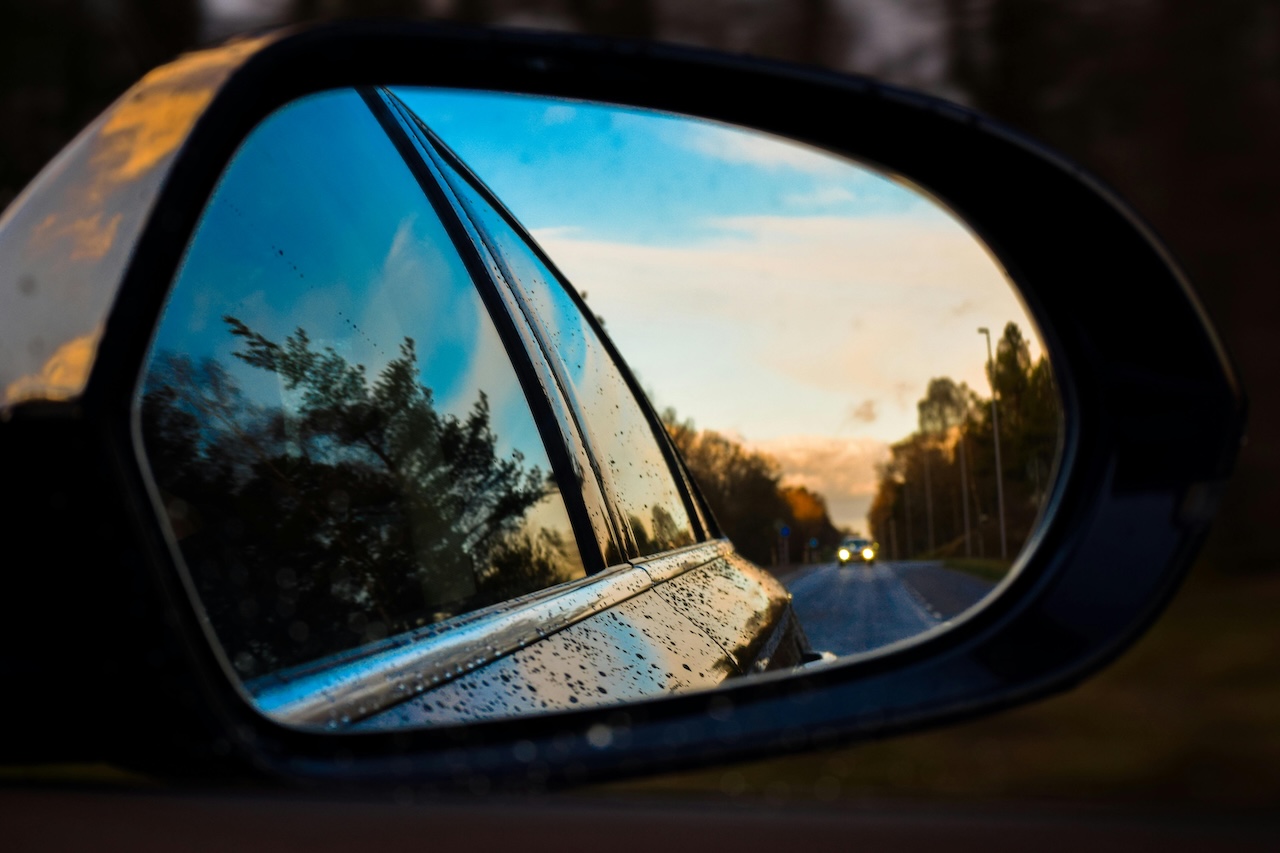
{"points": [[995, 429], [964, 482]]}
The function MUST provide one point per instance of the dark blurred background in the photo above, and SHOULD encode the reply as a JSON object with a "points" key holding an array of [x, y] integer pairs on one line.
{"points": [[1176, 103]]}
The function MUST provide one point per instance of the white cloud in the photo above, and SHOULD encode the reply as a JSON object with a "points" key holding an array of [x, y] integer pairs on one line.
{"points": [[759, 149], [864, 412], [843, 470], [821, 197], [777, 325], [558, 114], [556, 232]]}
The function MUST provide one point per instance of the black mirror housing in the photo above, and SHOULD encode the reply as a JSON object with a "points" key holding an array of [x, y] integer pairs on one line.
{"points": [[1154, 415]]}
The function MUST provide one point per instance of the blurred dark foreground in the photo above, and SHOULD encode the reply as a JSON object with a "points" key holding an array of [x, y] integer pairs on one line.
{"points": [[282, 822], [1176, 103]]}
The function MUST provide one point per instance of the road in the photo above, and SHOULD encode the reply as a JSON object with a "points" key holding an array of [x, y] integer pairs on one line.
{"points": [[859, 608]]}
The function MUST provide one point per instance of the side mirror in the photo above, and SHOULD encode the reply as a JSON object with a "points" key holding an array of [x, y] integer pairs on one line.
{"points": [[376, 496]]}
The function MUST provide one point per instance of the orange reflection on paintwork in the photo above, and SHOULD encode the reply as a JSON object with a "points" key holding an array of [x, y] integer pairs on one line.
{"points": [[70, 235], [88, 237], [146, 129], [143, 131], [65, 372]]}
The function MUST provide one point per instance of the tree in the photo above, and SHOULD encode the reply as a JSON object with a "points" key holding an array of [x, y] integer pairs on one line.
{"points": [[1010, 375], [744, 491], [354, 512], [945, 405], [809, 519], [949, 462], [741, 486]]}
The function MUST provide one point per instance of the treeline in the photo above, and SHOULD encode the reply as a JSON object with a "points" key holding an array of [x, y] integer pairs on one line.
{"points": [[768, 523], [937, 493]]}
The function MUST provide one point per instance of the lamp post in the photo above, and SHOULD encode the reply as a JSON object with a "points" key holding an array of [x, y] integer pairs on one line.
{"points": [[995, 430], [964, 481]]}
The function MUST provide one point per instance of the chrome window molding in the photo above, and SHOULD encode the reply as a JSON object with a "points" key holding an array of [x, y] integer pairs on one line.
{"points": [[341, 689], [585, 472]]}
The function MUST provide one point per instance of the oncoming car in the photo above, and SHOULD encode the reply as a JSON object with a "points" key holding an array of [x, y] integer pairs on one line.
{"points": [[857, 549]]}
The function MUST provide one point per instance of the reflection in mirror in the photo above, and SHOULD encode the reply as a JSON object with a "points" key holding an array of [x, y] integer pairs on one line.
{"points": [[411, 483], [840, 362]]}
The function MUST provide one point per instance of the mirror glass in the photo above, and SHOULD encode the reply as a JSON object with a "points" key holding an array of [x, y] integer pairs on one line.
{"points": [[467, 405]]}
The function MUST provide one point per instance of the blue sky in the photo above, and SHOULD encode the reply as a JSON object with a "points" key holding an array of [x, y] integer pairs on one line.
{"points": [[768, 290], [644, 177]]}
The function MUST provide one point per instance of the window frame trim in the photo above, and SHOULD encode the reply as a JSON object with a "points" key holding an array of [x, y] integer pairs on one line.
{"points": [[554, 440], [702, 530]]}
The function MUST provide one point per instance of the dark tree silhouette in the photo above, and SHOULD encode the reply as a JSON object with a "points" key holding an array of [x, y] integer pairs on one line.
{"points": [[946, 404], [920, 504], [744, 490], [809, 520], [354, 512]]}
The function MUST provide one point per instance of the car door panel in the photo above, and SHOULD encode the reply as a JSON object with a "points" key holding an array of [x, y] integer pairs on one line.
{"points": [[640, 647], [741, 606]]}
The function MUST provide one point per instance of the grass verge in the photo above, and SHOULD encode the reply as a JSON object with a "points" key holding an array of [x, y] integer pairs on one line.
{"points": [[988, 570]]}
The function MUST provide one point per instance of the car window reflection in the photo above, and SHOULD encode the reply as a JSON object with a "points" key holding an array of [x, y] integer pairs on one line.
{"points": [[340, 442]]}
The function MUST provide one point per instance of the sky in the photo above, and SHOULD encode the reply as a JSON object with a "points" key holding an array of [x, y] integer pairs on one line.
{"points": [[765, 289]]}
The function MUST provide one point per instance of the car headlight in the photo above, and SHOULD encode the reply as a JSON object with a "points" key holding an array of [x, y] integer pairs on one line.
{"points": [[868, 554], [844, 553]]}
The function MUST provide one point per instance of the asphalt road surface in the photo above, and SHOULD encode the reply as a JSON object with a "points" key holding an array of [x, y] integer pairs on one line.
{"points": [[859, 608]]}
